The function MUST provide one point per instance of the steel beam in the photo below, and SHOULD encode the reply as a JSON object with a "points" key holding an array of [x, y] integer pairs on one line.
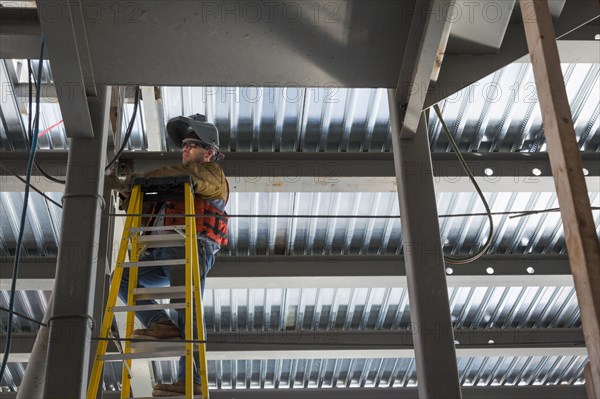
{"points": [[422, 58], [478, 27], [63, 26], [338, 271], [487, 392], [574, 52], [331, 30], [69, 327], [332, 172], [427, 288], [228, 345], [19, 33]]}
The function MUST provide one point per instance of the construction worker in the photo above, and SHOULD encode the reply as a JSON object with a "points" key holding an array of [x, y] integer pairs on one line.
{"points": [[200, 142]]}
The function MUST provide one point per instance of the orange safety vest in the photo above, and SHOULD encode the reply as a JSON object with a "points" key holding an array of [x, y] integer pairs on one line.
{"points": [[214, 227]]}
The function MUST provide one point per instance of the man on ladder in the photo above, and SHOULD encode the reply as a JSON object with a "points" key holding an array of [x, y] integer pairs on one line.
{"points": [[200, 143]]}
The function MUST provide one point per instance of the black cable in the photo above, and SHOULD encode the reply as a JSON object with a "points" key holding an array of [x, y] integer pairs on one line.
{"points": [[535, 212], [34, 188], [210, 215], [13, 284], [35, 162], [29, 118], [488, 242], [129, 129], [21, 315]]}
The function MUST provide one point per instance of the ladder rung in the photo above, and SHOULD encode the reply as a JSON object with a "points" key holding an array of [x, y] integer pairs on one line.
{"points": [[157, 228], [176, 397], [157, 345], [140, 308], [159, 293], [144, 355], [150, 263], [163, 240]]}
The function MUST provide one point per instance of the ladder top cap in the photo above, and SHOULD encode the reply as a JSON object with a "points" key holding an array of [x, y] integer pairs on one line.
{"points": [[162, 183]]}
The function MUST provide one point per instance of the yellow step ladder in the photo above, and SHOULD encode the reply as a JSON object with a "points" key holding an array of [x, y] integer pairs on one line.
{"points": [[133, 240]]}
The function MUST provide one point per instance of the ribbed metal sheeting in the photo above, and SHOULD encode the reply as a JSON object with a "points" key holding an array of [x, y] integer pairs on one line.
{"points": [[42, 227], [329, 309], [308, 309], [289, 119], [352, 233], [382, 373], [32, 304], [501, 112], [13, 376], [497, 113], [311, 309]]}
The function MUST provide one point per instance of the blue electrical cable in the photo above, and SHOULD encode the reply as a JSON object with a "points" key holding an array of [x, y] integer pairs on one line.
{"points": [[32, 150]]}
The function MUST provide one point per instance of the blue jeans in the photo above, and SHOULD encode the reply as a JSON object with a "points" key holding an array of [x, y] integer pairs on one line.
{"points": [[163, 276]]}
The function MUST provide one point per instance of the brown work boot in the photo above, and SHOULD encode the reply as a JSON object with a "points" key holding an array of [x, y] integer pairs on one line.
{"points": [[175, 389], [163, 330]]}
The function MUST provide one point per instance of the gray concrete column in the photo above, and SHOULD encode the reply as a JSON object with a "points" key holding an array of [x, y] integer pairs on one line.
{"points": [[71, 324], [32, 385]]}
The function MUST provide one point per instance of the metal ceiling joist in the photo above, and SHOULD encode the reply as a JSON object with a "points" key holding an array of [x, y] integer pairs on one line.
{"points": [[427, 39], [478, 27], [332, 172], [19, 33], [487, 392], [66, 41], [574, 51], [337, 271], [253, 345]]}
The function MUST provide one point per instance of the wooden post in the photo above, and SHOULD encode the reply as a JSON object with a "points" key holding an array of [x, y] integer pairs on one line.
{"points": [[567, 169], [590, 388]]}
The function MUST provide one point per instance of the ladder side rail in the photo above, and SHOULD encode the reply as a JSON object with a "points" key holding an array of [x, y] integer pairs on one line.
{"points": [[94, 381], [200, 326], [132, 285], [189, 323], [198, 306]]}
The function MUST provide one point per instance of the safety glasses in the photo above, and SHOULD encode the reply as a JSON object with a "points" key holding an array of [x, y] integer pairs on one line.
{"points": [[196, 145]]}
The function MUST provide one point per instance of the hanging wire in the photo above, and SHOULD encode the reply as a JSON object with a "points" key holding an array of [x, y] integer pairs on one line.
{"points": [[463, 260], [136, 105], [515, 214]]}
